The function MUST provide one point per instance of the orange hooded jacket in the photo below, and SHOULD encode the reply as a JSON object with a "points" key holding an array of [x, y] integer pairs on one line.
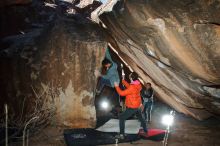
{"points": [[132, 93]]}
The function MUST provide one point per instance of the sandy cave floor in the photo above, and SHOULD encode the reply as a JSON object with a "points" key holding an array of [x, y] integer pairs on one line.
{"points": [[185, 132]]}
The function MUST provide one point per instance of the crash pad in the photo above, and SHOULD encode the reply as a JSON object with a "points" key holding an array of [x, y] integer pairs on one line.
{"points": [[92, 137], [106, 133], [153, 134]]}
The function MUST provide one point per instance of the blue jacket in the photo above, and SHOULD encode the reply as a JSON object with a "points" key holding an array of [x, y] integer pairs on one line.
{"points": [[112, 73]]}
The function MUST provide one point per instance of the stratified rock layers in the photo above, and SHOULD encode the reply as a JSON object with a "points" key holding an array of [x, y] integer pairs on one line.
{"points": [[173, 44]]}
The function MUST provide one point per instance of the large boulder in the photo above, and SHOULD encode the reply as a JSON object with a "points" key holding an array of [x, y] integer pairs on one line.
{"points": [[172, 44], [50, 74]]}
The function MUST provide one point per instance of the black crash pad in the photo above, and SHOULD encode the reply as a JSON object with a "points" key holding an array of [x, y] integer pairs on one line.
{"points": [[92, 137]]}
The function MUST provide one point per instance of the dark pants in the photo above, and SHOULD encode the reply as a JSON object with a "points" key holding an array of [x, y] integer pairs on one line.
{"points": [[128, 113], [103, 82], [114, 97], [147, 110]]}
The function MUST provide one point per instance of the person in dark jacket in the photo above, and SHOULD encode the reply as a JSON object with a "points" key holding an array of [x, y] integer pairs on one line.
{"points": [[132, 101], [147, 97]]}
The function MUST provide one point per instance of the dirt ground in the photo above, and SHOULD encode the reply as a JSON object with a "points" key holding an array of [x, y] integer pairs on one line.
{"points": [[185, 132]]}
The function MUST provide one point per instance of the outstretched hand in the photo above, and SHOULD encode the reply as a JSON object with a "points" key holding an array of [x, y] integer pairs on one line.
{"points": [[116, 84]]}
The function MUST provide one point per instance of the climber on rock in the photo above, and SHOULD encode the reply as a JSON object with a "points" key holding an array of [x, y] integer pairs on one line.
{"points": [[132, 101], [147, 94], [109, 73]]}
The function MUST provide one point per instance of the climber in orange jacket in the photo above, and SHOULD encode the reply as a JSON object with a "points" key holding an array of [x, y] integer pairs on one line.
{"points": [[133, 102]]}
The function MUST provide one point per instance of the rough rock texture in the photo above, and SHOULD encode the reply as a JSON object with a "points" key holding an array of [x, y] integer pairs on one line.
{"points": [[85, 3], [21, 19], [87, 7], [13, 2], [50, 73], [75, 54], [174, 45]]}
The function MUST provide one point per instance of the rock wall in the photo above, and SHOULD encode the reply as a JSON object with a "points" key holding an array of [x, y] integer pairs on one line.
{"points": [[172, 44], [80, 54], [53, 77], [14, 2]]}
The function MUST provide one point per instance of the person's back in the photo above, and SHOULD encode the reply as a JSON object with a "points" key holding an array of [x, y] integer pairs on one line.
{"points": [[132, 101], [133, 98], [112, 74]]}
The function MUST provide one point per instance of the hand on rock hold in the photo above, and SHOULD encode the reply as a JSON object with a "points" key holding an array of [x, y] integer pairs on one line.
{"points": [[97, 73]]}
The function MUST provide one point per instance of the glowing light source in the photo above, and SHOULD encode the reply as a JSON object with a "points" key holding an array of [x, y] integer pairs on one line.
{"points": [[167, 120], [104, 104]]}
